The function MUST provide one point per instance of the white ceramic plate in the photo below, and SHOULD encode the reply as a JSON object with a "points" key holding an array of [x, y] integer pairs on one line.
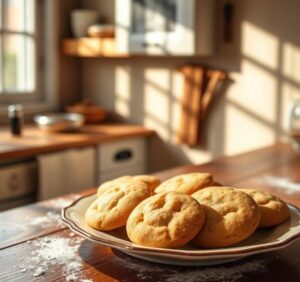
{"points": [[263, 240]]}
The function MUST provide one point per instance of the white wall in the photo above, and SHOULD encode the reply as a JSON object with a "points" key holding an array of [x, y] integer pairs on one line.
{"points": [[263, 63]]}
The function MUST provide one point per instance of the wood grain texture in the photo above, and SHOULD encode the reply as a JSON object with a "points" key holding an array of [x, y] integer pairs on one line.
{"points": [[209, 91], [31, 221], [185, 102], [229, 170], [190, 105], [99, 263], [34, 141], [199, 86], [91, 47]]}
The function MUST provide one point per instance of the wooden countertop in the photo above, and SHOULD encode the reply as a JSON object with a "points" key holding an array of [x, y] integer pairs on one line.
{"points": [[33, 141], [32, 236]]}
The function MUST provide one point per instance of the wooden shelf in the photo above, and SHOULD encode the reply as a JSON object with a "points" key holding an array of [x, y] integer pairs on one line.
{"points": [[91, 47]]}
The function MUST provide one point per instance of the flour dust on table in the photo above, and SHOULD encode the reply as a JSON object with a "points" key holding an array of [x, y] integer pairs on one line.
{"points": [[60, 203], [56, 251], [52, 217], [226, 272], [45, 221]]}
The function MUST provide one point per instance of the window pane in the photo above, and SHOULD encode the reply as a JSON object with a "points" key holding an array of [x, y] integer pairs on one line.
{"points": [[19, 15], [18, 63]]}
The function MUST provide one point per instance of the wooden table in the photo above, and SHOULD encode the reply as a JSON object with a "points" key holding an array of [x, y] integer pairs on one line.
{"points": [[35, 245]]}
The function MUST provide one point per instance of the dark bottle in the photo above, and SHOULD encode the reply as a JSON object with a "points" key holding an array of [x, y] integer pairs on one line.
{"points": [[16, 116]]}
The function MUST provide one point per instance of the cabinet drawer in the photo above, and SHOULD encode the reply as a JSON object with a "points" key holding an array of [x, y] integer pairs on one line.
{"points": [[18, 180], [121, 154]]}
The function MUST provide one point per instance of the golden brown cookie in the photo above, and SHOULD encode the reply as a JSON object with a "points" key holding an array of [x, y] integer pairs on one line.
{"points": [[112, 208], [151, 181], [230, 216], [273, 210], [186, 183], [165, 220]]}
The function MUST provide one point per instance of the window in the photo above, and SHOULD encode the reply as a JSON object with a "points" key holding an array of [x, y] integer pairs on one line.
{"points": [[19, 75]]}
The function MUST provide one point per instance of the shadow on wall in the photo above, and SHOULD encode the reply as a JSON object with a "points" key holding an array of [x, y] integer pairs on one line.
{"points": [[150, 93], [263, 61], [256, 106], [270, 75]]}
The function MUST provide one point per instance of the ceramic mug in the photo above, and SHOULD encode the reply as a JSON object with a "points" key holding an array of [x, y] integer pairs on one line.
{"points": [[81, 20]]}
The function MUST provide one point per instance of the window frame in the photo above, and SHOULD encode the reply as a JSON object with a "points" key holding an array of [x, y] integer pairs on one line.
{"points": [[8, 97], [46, 97]]}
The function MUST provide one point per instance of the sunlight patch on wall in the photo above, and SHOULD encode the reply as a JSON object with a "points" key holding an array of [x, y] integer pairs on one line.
{"points": [[176, 92], [122, 91], [258, 92], [245, 133], [291, 62], [156, 101], [260, 45]]}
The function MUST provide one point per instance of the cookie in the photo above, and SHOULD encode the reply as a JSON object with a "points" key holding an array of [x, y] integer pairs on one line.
{"points": [[273, 210], [151, 181], [112, 208], [165, 220], [230, 217], [186, 183]]}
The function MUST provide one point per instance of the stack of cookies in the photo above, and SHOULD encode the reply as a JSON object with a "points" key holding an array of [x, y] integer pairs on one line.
{"points": [[187, 208]]}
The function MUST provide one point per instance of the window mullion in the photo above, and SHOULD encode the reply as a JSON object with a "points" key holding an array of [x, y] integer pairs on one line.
{"points": [[15, 32]]}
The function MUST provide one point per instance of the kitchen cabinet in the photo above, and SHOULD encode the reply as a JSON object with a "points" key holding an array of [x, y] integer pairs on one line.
{"points": [[68, 163], [117, 158], [177, 27], [18, 183], [66, 171], [70, 171]]}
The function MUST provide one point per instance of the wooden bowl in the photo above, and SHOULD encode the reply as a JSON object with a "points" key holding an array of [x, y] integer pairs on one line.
{"points": [[92, 114]]}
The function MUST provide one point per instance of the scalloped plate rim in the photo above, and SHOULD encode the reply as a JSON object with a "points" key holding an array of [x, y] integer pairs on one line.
{"points": [[148, 253]]}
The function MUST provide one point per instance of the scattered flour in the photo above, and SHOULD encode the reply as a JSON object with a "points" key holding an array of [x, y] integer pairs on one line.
{"points": [[282, 183], [56, 251], [47, 220], [23, 270], [229, 272], [60, 202], [39, 272], [51, 218], [71, 277]]}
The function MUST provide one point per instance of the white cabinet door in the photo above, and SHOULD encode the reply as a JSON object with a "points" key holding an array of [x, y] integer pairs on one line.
{"points": [[66, 172]]}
